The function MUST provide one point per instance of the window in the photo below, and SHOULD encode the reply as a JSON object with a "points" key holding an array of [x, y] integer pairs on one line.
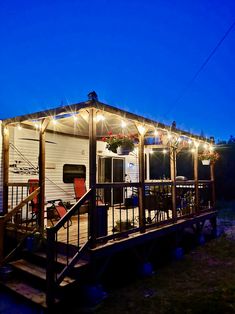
{"points": [[73, 171]]}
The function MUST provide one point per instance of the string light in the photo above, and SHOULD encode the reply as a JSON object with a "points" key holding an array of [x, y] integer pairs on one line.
{"points": [[156, 133], [141, 129], [205, 146], [169, 136], [193, 150], [190, 141], [123, 124], [100, 117], [36, 125], [179, 139], [75, 118], [54, 121]]}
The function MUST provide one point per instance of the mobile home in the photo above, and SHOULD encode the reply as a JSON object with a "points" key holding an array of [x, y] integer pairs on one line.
{"points": [[124, 203]]}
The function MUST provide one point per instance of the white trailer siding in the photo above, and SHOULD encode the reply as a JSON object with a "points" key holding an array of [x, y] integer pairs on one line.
{"points": [[60, 150]]}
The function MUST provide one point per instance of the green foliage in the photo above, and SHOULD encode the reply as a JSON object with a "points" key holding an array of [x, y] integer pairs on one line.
{"points": [[207, 155], [122, 226], [114, 141]]}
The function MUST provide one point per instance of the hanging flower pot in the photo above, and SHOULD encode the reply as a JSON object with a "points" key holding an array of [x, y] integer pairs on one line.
{"points": [[206, 162], [124, 150], [120, 144], [208, 157]]}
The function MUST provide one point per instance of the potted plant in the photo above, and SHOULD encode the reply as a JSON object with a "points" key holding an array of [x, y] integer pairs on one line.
{"points": [[119, 144], [208, 157], [122, 226]]}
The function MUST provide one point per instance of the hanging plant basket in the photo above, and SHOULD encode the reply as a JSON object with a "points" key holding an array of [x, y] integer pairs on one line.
{"points": [[124, 150], [206, 162]]}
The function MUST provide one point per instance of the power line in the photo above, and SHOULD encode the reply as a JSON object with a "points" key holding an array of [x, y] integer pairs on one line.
{"points": [[189, 84]]}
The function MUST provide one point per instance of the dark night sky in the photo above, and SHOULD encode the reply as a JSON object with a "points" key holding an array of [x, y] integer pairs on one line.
{"points": [[137, 55]]}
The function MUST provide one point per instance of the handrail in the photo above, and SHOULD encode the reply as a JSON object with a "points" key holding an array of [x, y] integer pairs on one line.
{"points": [[21, 204], [22, 184], [70, 212], [52, 279], [116, 184]]}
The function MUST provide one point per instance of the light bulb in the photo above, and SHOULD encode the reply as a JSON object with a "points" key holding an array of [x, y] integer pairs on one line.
{"points": [[123, 124], [100, 117], [75, 118]]}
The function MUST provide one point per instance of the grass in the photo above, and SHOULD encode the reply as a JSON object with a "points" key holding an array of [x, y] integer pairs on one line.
{"points": [[203, 282], [226, 209]]}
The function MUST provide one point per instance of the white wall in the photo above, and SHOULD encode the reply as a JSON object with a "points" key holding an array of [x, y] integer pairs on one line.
{"points": [[60, 150]]}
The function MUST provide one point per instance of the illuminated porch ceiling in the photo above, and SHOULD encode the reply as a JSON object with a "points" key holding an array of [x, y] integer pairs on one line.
{"points": [[74, 120]]}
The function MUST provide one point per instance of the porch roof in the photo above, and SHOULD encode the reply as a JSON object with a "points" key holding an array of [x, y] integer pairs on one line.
{"points": [[113, 117]]}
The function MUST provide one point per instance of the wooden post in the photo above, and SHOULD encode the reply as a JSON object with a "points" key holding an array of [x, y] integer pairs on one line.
{"points": [[1, 239], [5, 158], [173, 176], [195, 170], [42, 174], [142, 185], [92, 175], [212, 175], [50, 268]]}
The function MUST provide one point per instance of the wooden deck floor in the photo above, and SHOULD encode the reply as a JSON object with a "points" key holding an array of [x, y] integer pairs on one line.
{"points": [[114, 215]]}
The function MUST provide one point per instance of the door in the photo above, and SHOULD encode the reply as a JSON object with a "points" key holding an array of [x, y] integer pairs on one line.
{"points": [[111, 169]]}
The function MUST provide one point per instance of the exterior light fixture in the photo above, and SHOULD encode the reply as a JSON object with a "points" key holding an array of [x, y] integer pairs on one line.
{"points": [[151, 151], [19, 127], [164, 151], [54, 121], [205, 146], [190, 141], [179, 139], [196, 144], [193, 150]]}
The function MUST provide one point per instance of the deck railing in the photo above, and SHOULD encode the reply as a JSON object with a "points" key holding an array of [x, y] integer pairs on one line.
{"points": [[158, 202], [73, 231], [17, 220], [186, 198], [117, 209], [25, 215]]}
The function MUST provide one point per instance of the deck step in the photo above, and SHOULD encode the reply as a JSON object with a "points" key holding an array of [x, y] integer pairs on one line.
{"points": [[36, 271], [61, 259], [25, 290]]}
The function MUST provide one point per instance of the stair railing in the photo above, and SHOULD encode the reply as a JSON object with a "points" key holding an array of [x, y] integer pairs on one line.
{"points": [[61, 232], [10, 220]]}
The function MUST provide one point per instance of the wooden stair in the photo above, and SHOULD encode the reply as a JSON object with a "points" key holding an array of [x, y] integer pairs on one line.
{"points": [[28, 277]]}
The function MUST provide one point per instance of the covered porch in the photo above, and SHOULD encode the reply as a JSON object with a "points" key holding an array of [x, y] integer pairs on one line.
{"points": [[124, 199]]}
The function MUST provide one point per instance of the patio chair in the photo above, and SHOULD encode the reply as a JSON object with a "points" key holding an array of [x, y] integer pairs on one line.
{"points": [[33, 185], [56, 211], [80, 190], [79, 187]]}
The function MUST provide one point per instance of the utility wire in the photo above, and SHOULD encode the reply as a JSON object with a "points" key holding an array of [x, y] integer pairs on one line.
{"points": [[189, 84]]}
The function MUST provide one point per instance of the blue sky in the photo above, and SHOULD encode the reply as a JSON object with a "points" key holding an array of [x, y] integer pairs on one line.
{"points": [[137, 55]]}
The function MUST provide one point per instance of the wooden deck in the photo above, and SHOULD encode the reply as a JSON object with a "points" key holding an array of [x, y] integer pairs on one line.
{"points": [[117, 214]]}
